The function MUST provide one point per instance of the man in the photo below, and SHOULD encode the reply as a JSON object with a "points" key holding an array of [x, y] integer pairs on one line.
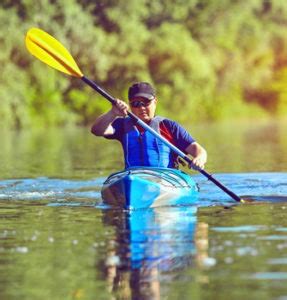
{"points": [[140, 147]]}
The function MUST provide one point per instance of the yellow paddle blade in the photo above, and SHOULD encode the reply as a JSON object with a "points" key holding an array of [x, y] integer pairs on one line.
{"points": [[46, 48]]}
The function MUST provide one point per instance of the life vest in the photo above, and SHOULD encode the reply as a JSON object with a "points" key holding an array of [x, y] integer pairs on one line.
{"points": [[144, 149]]}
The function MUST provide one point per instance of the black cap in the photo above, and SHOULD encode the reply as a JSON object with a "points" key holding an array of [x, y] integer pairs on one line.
{"points": [[141, 89]]}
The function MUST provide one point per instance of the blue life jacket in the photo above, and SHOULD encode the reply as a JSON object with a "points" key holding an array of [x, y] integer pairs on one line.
{"points": [[144, 149]]}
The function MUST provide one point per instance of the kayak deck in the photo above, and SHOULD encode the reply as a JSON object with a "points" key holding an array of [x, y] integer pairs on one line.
{"points": [[140, 187]]}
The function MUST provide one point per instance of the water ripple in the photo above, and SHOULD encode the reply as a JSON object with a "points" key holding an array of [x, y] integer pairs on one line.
{"points": [[261, 187], [51, 190]]}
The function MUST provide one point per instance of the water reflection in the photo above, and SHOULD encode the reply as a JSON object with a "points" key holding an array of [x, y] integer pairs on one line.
{"points": [[149, 247], [75, 153]]}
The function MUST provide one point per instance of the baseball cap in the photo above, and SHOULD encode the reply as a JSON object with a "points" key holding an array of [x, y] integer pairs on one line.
{"points": [[141, 89]]}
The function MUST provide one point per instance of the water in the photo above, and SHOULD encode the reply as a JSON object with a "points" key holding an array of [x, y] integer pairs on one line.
{"points": [[58, 242]]}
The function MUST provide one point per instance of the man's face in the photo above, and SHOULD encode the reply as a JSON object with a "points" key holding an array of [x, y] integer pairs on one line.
{"points": [[143, 108]]}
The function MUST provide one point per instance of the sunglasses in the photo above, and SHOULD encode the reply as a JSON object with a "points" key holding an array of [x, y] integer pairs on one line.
{"points": [[137, 104]]}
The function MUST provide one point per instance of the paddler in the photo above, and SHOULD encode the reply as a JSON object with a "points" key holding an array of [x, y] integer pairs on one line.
{"points": [[142, 148]]}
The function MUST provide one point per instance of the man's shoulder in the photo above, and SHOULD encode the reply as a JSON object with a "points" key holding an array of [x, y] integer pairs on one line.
{"points": [[180, 135], [169, 123]]}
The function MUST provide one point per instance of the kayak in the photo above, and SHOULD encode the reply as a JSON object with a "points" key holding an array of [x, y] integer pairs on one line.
{"points": [[143, 187]]}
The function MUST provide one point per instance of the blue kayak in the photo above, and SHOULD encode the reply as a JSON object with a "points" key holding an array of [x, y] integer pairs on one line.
{"points": [[142, 187]]}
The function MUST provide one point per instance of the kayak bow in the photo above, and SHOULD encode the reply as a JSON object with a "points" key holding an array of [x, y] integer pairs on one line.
{"points": [[142, 187]]}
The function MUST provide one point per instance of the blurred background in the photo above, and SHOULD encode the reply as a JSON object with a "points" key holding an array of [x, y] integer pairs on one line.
{"points": [[208, 60]]}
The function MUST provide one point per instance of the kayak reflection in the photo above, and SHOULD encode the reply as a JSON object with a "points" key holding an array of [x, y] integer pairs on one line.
{"points": [[148, 243]]}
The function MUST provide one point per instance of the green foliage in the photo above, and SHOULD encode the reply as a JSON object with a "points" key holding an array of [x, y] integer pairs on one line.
{"points": [[181, 81], [207, 59]]}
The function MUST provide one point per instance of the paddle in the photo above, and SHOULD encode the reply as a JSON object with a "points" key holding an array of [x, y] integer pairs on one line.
{"points": [[47, 49]]}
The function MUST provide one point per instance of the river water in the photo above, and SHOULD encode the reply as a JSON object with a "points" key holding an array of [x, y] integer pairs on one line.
{"points": [[58, 242]]}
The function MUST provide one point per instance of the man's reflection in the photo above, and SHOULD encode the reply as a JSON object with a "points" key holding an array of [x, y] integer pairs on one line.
{"points": [[150, 247]]}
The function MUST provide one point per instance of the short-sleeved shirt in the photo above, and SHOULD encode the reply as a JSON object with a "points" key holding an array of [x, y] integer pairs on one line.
{"points": [[169, 129]]}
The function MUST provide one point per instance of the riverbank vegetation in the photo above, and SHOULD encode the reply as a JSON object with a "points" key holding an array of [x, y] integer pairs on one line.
{"points": [[209, 60]]}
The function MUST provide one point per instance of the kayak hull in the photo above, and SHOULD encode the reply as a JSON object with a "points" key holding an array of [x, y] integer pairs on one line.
{"points": [[142, 187]]}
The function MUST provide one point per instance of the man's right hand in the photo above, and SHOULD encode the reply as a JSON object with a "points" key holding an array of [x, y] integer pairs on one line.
{"points": [[102, 125], [120, 108]]}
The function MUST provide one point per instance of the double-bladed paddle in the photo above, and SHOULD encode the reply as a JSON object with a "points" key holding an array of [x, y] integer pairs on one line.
{"points": [[49, 50]]}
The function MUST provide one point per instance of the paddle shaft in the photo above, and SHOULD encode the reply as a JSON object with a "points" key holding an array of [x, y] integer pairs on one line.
{"points": [[170, 145]]}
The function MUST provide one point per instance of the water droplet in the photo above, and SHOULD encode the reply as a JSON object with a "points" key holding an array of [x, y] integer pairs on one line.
{"points": [[22, 249], [246, 251], [228, 260], [209, 262], [228, 243], [34, 238]]}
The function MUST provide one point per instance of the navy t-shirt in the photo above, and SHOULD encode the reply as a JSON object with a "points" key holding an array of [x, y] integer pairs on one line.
{"points": [[169, 129]]}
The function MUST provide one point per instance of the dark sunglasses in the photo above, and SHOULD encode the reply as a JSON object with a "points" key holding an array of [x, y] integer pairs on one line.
{"points": [[137, 104]]}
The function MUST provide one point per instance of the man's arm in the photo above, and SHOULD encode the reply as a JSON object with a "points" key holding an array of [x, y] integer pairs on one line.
{"points": [[103, 124], [198, 153], [185, 142]]}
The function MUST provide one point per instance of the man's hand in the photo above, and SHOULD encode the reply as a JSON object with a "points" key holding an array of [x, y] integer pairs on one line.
{"points": [[198, 163], [199, 156], [120, 108], [103, 124]]}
